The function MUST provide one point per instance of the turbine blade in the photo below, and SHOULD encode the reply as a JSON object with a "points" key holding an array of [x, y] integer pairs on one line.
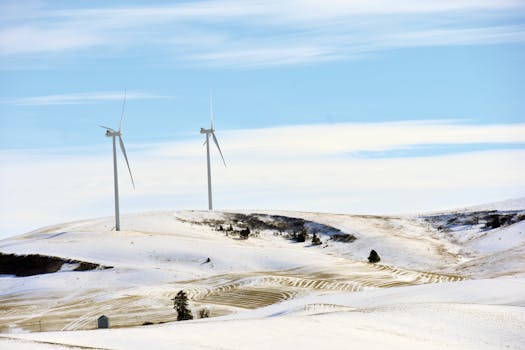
{"points": [[204, 143], [126, 157], [218, 147], [122, 115], [211, 111], [105, 127]]}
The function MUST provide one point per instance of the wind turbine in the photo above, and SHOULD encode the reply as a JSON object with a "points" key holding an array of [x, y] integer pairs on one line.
{"points": [[114, 134], [210, 132]]}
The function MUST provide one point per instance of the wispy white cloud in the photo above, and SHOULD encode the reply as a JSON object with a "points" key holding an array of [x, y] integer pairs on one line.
{"points": [[298, 10], [463, 36], [311, 9], [351, 138], [28, 39], [301, 168], [79, 98], [269, 56], [264, 33]]}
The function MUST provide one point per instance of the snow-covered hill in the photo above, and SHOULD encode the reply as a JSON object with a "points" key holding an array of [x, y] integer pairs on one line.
{"points": [[435, 270]]}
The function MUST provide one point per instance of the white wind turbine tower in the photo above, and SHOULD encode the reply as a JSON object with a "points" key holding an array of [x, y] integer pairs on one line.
{"points": [[114, 134], [210, 132]]}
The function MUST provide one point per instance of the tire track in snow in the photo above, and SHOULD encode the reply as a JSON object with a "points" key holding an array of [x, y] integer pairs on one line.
{"points": [[266, 288]]}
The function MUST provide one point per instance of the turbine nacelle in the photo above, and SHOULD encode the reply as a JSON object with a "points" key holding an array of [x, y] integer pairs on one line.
{"points": [[207, 131], [113, 133]]}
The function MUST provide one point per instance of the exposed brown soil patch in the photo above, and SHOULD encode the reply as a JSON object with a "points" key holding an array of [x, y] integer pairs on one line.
{"points": [[36, 264]]}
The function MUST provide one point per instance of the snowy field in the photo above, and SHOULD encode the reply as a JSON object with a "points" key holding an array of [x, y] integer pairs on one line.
{"points": [[445, 280]]}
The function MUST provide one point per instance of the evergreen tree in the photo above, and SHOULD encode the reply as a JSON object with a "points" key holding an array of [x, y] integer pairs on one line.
{"points": [[301, 237], [373, 257], [244, 234], [180, 303], [316, 240]]}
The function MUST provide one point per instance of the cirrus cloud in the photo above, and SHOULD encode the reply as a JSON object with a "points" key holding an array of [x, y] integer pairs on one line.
{"points": [[255, 33]]}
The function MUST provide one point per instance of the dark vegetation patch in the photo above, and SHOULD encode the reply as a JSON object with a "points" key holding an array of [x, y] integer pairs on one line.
{"points": [[485, 220], [244, 226], [36, 264], [266, 222], [343, 237]]}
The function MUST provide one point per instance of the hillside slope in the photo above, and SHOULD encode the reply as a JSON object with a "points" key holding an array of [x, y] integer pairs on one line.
{"points": [[271, 273]]}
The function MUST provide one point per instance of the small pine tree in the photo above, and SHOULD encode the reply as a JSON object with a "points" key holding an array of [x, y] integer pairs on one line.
{"points": [[316, 240], [301, 237], [373, 257], [244, 234], [180, 303], [230, 228]]}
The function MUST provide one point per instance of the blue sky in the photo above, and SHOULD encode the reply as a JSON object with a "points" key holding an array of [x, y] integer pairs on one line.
{"points": [[454, 65]]}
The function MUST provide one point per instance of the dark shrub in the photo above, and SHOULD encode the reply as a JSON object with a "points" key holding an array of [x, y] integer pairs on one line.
{"points": [[302, 236], [316, 240], [493, 221], [244, 234], [343, 237], [373, 257], [204, 313]]}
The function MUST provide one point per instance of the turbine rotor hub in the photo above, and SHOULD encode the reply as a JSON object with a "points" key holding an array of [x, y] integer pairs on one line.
{"points": [[111, 133]]}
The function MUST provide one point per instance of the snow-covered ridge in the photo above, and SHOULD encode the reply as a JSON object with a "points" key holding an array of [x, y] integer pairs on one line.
{"points": [[270, 274], [506, 205]]}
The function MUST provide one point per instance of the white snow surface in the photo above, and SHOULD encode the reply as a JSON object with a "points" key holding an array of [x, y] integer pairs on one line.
{"points": [[325, 296], [509, 204], [487, 314]]}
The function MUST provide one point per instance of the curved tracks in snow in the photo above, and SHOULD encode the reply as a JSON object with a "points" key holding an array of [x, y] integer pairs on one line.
{"points": [[261, 289], [222, 294]]}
